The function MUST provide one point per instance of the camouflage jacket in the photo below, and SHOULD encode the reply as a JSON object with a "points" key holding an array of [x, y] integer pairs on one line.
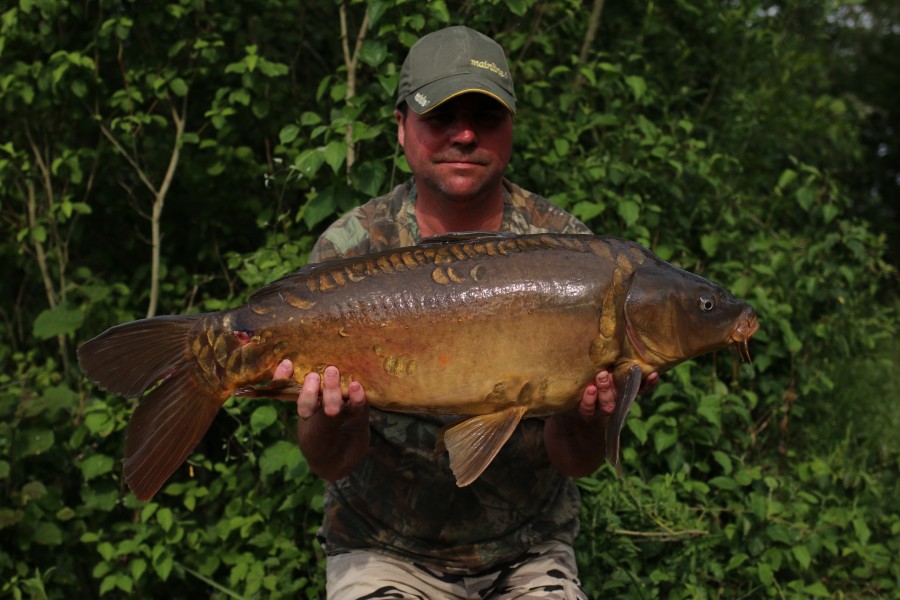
{"points": [[402, 501]]}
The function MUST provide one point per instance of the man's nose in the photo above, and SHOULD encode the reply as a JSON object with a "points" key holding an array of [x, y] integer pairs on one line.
{"points": [[463, 131]]}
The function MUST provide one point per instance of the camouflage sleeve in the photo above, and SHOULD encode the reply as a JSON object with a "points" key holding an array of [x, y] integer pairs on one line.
{"points": [[533, 213], [563, 222], [348, 236]]}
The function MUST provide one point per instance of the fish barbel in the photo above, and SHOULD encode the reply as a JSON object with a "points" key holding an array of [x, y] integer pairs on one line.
{"points": [[491, 327]]}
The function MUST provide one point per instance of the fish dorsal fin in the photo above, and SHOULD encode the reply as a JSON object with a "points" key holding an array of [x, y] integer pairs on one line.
{"points": [[461, 236], [473, 443], [624, 400]]}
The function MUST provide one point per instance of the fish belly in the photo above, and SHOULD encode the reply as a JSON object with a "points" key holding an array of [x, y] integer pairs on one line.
{"points": [[464, 361]]}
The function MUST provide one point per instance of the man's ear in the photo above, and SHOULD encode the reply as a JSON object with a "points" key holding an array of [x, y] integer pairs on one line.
{"points": [[401, 130]]}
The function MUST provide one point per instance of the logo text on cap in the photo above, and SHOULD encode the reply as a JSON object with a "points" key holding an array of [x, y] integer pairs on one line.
{"points": [[483, 64]]}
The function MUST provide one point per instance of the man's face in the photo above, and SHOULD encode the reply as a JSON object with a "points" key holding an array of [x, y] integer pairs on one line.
{"points": [[460, 149]]}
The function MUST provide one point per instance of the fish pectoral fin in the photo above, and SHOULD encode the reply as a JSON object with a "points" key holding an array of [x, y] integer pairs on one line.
{"points": [[627, 393], [473, 443], [277, 389]]}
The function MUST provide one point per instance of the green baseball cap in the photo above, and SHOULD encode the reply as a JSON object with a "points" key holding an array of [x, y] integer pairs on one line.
{"points": [[453, 61]]}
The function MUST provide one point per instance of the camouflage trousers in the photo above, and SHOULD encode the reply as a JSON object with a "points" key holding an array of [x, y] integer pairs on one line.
{"points": [[546, 571]]}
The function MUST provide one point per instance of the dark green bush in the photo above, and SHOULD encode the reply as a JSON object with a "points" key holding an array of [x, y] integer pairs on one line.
{"points": [[719, 135]]}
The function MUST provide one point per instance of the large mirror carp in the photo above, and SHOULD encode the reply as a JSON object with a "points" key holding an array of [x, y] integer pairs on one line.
{"points": [[487, 326]]}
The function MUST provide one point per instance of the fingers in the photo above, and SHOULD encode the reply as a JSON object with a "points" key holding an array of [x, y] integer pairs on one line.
{"points": [[284, 370], [357, 397], [606, 393], [325, 392], [649, 383], [587, 408], [332, 400], [308, 400], [598, 399]]}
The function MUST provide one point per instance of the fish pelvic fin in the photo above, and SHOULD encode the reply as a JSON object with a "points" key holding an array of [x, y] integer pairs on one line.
{"points": [[286, 390], [625, 398], [474, 442]]}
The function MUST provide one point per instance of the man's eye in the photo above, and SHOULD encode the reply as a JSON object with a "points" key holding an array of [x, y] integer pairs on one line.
{"points": [[439, 118], [490, 117]]}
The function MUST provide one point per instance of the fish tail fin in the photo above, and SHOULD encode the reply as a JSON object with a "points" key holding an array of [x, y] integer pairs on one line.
{"points": [[127, 359], [625, 398], [166, 426], [171, 419]]}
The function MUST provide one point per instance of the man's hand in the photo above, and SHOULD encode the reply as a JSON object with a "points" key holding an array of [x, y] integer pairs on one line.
{"points": [[576, 442], [335, 438], [331, 400], [599, 398]]}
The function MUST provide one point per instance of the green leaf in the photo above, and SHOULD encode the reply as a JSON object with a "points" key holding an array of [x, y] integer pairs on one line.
{"points": [[765, 573], [33, 441], [108, 584], [629, 211], [335, 153], [308, 162], [561, 145], [262, 417], [723, 460], [794, 344], [588, 210], [179, 87], [736, 561], [724, 483], [801, 553], [288, 134], [47, 534], [373, 52], [318, 209], [165, 518], [96, 465], [863, 533], [137, 567], [162, 564], [308, 119], [517, 7], [377, 8], [638, 86], [709, 243], [62, 320], [368, 177], [664, 438], [39, 233], [817, 590], [787, 177], [10, 517], [283, 455], [806, 197]]}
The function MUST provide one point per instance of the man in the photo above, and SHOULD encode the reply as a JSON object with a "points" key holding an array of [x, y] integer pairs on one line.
{"points": [[396, 525]]}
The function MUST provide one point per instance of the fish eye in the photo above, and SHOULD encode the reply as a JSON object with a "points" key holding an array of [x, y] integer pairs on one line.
{"points": [[707, 302]]}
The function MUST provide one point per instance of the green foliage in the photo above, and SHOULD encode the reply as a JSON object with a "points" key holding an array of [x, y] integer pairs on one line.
{"points": [[722, 137]]}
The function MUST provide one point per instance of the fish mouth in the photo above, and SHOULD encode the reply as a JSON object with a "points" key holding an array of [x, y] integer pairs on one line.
{"points": [[746, 327]]}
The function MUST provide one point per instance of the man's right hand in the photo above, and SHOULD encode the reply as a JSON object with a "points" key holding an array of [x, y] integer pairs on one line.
{"points": [[332, 446], [324, 392]]}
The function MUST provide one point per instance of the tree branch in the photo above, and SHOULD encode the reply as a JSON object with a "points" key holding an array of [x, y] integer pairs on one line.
{"points": [[589, 38], [351, 62], [31, 203], [159, 201], [137, 168]]}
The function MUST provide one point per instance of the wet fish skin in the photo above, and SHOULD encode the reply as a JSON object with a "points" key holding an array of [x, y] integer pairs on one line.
{"points": [[482, 325]]}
